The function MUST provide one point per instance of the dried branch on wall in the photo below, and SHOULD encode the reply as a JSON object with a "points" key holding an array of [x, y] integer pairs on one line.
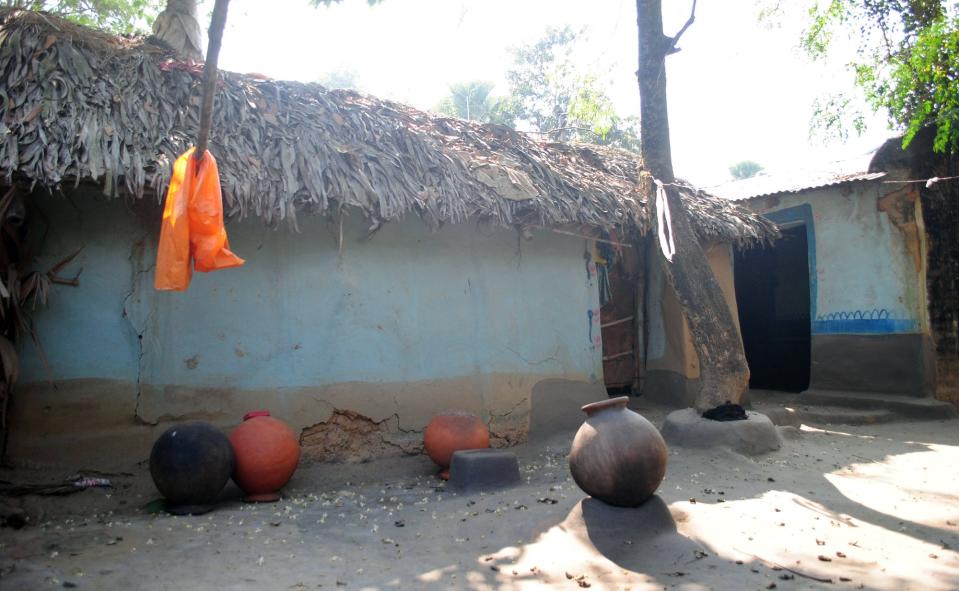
{"points": [[22, 290]]}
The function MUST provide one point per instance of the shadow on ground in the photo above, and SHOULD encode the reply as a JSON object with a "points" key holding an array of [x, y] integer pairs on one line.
{"points": [[873, 500]]}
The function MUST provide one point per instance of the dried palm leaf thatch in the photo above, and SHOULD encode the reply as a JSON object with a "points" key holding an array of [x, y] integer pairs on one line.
{"points": [[77, 105]]}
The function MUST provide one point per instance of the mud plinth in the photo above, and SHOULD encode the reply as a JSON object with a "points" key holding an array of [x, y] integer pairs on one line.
{"points": [[753, 436]]}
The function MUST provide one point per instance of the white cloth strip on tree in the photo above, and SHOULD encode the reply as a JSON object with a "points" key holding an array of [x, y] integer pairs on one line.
{"points": [[664, 222]]}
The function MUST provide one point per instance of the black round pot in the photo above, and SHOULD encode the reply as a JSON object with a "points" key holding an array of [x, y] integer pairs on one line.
{"points": [[190, 464]]}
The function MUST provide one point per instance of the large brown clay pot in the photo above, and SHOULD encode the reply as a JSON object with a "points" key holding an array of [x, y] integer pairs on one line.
{"points": [[267, 452], [452, 431], [617, 456]]}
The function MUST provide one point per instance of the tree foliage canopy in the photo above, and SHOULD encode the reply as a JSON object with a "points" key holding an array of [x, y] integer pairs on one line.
{"points": [[469, 100], [551, 94], [745, 169], [907, 62], [117, 16], [341, 78], [548, 94]]}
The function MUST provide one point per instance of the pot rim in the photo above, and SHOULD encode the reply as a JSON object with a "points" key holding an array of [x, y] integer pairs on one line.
{"points": [[611, 403]]}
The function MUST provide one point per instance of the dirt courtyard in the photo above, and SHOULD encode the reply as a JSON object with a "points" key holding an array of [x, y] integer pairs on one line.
{"points": [[868, 507]]}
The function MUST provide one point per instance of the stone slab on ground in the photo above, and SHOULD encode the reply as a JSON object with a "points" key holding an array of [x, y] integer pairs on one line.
{"points": [[477, 470], [756, 435]]}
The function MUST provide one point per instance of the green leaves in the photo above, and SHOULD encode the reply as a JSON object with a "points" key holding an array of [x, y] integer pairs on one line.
{"points": [[924, 87], [553, 95], [469, 100], [834, 115], [745, 169], [908, 64], [116, 16], [825, 17], [122, 17], [592, 107], [348, 79]]}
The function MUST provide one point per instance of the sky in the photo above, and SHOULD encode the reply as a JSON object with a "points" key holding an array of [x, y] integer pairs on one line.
{"points": [[739, 89]]}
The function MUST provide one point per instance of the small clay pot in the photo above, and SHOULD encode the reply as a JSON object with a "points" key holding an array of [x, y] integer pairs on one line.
{"points": [[190, 464], [267, 453], [452, 431], [617, 457]]}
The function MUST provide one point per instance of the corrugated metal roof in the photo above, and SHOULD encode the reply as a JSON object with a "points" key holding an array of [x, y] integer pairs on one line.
{"points": [[762, 185]]}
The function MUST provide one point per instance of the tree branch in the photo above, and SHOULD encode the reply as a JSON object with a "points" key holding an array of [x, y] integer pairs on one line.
{"points": [[671, 47], [217, 23]]}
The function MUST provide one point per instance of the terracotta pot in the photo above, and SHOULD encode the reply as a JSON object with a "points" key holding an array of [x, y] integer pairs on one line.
{"points": [[452, 431], [617, 456], [267, 453], [190, 464]]}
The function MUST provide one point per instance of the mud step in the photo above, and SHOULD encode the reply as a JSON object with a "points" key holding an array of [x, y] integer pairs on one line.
{"points": [[826, 415], [907, 406]]}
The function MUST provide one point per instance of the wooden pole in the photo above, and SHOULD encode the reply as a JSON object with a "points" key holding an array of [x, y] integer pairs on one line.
{"points": [[217, 24]]}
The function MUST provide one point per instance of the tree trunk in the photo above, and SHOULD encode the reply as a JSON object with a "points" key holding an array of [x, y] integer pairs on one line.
{"points": [[724, 374], [178, 27], [217, 24]]}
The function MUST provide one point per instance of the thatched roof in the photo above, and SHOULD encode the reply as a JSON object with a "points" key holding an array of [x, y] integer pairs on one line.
{"points": [[83, 106]]}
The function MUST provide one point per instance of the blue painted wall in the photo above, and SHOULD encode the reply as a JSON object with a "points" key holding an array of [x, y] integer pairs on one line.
{"points": [[863, 278], [403, 305]]}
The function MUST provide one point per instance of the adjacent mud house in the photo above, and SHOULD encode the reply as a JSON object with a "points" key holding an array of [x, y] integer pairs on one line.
{"points": [[859, 294], [398, 263]]}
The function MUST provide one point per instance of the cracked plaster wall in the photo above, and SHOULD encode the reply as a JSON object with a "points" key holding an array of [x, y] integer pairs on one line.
{"points": [[400, 324], [870, 327], [867, 252]]}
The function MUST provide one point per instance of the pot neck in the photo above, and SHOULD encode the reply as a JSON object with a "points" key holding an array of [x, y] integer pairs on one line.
{"points": [[617, 403]]}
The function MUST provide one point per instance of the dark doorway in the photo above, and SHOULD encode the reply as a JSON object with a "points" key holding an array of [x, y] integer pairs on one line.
{"points": [[772, 292]]}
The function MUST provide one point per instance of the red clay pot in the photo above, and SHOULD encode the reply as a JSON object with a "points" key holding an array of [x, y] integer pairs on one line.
{"points": [[267, 452], [452, 431]]}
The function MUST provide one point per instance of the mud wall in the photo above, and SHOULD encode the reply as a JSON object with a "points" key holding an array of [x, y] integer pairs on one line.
{"points": [[867, 285], [940, 204], [672, 365], [328, 333]]}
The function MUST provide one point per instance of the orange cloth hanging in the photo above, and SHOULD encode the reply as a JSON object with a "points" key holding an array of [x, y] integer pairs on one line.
{"points": [[173, 254], [192, 225]]}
